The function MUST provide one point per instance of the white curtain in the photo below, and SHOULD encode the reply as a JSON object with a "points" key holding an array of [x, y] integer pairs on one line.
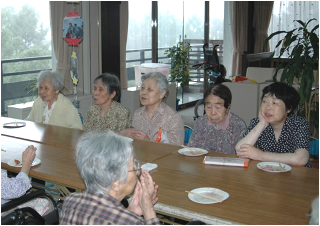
{"points": [[285, 12]]}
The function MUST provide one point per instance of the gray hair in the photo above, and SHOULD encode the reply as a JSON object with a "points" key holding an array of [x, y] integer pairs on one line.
{"points": [[102, 159], [162, 82], [314, 215], [112, 83], [55, 77]]}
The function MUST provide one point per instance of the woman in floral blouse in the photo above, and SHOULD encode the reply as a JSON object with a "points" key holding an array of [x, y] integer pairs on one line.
{"points": [[218, 130], [107, 113]]}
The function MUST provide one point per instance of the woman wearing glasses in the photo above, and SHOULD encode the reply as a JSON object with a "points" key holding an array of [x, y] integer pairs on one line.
{"points": [[108, 167]]}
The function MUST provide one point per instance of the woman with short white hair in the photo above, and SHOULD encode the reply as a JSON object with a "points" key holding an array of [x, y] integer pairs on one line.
{"points": [[52, 107], [155, 120], [110, 171]]}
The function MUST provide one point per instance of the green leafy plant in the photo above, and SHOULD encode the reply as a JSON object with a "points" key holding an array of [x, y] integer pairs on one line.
{"points": [[179, 71], [301, 47]]}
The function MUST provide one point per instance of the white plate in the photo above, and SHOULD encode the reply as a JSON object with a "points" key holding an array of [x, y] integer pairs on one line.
{"points": [[149, 166], [129, 139], [192, 152], [211, 192], [14, 124], [35, 162], [273, 167]]}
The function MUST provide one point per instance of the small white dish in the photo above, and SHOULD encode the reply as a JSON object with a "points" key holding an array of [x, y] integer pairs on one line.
{"points": [[192, 151], [14, 124], [129, 139], [149, 166], [210, 192], [273, 167], [35, 162]]}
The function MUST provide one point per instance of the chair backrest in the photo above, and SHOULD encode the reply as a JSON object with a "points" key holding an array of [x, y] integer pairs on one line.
{"points": [[187, 134], [245, 100], [260, 74]]}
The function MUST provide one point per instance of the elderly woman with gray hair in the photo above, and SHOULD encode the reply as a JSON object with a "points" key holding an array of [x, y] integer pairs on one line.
{"points": [[52, 107], [156, 121], [110, 171], [107, 112]]}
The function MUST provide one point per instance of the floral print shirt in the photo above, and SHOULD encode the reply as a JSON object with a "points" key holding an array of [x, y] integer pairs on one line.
{"points": [[117, 118], [212, 137]]}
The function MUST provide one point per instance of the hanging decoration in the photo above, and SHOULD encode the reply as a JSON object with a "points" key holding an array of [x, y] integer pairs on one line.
{"points": [[73, 34], [74, 76], [73, 29]]}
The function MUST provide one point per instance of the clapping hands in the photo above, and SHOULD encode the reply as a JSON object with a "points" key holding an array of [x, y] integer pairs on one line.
{"points": [[144, 197]]}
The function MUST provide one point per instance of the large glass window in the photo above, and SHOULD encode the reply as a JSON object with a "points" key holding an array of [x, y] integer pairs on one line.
{"points": [[216, 9], [177, 21], [139, 39], [285, 12], [25, 48], [170, 27]]}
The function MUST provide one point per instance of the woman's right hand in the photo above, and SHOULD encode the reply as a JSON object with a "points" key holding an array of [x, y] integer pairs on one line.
{"points": [[263, 120], [27, 158]]}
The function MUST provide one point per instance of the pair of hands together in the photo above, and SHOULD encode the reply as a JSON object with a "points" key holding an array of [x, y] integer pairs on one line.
{"points": [[144, 196], [135, 134]]}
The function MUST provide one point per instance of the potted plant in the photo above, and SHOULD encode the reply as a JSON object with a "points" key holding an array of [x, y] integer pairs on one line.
{"points": [[179, 72], [301, 46]]}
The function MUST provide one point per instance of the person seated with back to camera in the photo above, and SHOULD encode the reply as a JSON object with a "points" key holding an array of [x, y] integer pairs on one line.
{"points": [[16, 187], [278, 134], [107, 112], [155, 113], [107, 164], [51, 107], [218, 130]]}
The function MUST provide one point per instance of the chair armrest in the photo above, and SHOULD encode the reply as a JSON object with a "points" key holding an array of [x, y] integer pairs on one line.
{"points": [[23, 199]]}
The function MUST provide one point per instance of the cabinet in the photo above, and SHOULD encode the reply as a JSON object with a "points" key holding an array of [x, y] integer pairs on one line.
{"points": [[21, 111]]}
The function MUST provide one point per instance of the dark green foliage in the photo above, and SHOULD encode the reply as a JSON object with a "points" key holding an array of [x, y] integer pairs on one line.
{"points": [[302, 47], [179, 63]]}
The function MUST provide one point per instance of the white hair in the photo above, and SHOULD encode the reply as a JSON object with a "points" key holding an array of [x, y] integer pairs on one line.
{"points": [[314, 215]]}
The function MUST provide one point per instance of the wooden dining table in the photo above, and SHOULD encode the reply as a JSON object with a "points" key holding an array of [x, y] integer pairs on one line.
{"points": [[255, 196]]}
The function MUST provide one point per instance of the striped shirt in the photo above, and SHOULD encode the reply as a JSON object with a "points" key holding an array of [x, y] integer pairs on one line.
{"points": [[96, 209]]}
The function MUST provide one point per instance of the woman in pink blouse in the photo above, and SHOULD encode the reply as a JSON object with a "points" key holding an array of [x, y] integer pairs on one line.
{"points": [[156, 121]]}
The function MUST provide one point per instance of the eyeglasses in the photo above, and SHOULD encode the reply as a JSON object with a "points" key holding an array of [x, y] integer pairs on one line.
{"points": [[136, 167]]}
